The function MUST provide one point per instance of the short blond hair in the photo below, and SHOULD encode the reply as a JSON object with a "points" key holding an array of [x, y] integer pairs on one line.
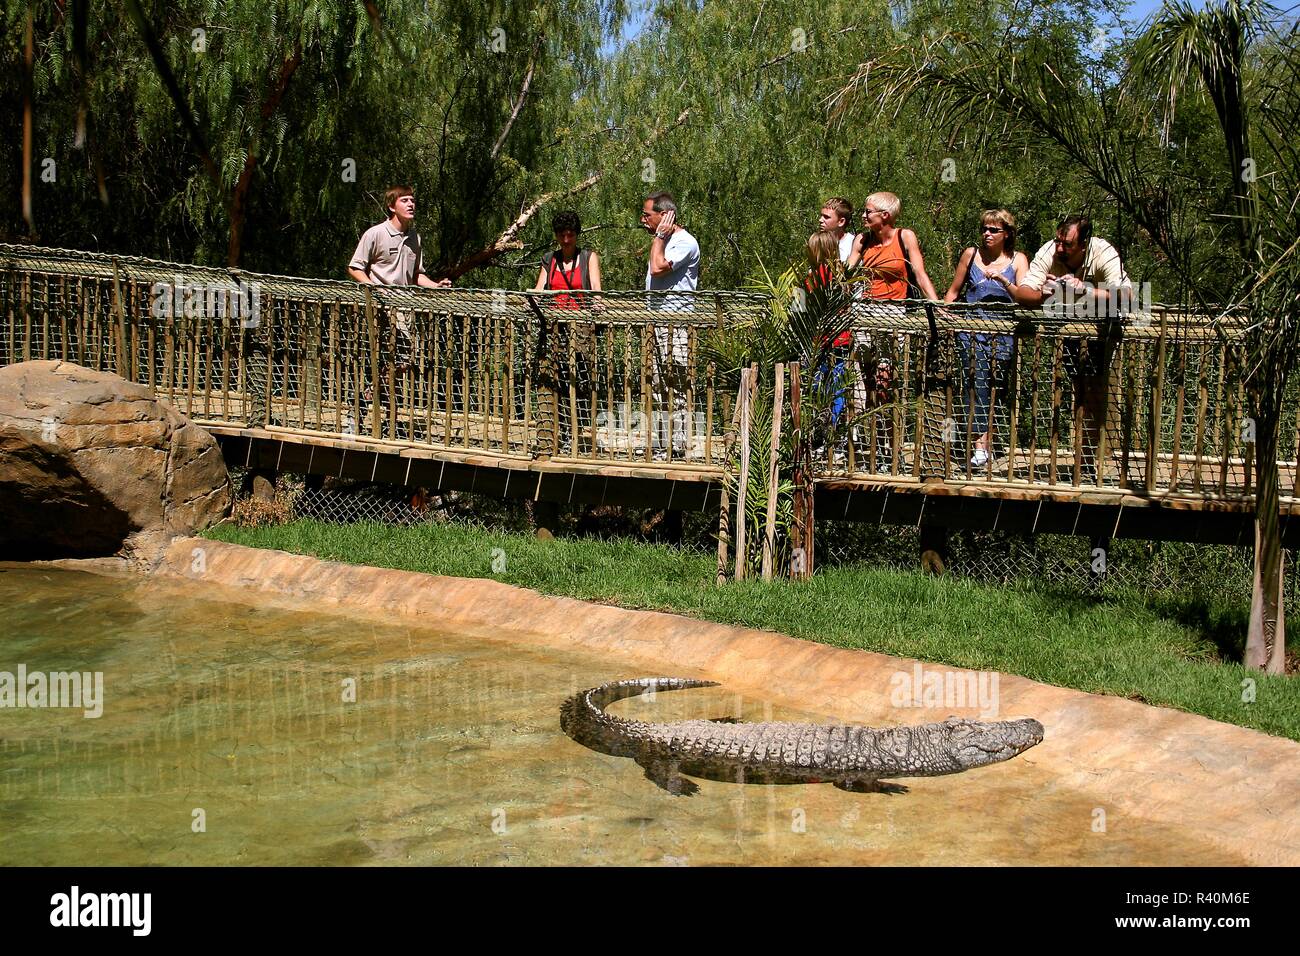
{"points": [[841, 207], [885, 202]]}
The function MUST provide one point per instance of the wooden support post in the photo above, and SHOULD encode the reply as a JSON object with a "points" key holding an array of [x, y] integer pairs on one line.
{"points": [[774, 472], [742, 482]]}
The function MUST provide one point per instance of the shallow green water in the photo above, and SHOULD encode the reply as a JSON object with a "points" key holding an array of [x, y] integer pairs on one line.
{"points": [[301, 738]]}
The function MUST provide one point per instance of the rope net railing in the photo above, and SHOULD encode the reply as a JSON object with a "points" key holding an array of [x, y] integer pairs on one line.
{"points": [[1148, 402]]}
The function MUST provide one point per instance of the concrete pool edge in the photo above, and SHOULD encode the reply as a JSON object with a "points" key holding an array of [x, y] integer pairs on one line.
{"points": [[1232, 786]]}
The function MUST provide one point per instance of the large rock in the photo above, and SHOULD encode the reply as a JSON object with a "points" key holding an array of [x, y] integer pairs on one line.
{"points": [[92, 465]]}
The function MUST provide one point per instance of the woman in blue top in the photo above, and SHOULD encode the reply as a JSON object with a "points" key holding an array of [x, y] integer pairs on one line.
{"points": [[986, 273]]}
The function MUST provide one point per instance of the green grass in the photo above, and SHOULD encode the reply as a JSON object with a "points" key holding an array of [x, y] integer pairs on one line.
{"points": [[1163, 652]]}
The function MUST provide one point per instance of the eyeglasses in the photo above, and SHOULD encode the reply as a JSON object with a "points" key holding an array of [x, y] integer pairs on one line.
{"points": [[868, 213], [991, 229]]}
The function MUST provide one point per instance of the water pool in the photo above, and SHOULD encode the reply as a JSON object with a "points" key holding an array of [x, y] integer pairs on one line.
{"points": [[239, 735]]}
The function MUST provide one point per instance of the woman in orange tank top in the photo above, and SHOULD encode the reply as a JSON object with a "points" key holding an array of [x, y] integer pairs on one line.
{"points": [[881, 247], [882, 251]]}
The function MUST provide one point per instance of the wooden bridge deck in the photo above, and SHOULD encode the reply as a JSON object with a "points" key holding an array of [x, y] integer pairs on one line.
{"points": [[624, 401]]}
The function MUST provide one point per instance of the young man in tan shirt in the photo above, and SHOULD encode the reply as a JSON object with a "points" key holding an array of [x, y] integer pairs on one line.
{"points": [[391, 253]]}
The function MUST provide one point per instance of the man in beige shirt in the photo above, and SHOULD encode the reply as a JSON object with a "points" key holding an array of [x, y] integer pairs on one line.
{"points": [[1082, 276], [1077, 270], [390, 253]]}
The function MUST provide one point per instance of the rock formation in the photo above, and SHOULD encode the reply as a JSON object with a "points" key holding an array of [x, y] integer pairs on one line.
{"points": [[93, 465]]}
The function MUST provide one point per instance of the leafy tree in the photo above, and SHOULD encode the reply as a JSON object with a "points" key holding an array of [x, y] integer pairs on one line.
{"points": [[1222, 228]]}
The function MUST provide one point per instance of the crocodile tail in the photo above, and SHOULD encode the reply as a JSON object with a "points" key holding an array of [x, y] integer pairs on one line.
{"points": [[589, 705], [598, 698]]}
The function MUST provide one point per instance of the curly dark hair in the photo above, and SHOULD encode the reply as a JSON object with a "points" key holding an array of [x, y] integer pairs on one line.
{"points": [[568, 219]]}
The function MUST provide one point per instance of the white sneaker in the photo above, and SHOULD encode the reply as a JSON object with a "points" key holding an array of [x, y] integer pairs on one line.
{"points": [[980, 458]]}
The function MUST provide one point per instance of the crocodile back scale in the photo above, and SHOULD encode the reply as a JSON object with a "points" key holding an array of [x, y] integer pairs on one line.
{"points": [[852, 757]]}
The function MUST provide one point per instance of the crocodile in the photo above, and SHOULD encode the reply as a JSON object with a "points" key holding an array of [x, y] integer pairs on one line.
{"points": [[851, 757]]}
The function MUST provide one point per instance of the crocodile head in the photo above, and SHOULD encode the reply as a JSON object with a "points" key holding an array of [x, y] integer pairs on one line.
{"points": [[974, 743]]}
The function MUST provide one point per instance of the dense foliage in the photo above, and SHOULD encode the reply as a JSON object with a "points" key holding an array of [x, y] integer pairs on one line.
{"points": [[289, 96]]}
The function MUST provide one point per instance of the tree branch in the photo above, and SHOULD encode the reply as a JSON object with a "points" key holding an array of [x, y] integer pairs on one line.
{"points": [[239, 198], [519, 103], [508, 240]]}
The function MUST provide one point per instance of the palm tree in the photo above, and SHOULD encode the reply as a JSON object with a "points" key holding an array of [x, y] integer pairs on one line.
{"points": [[1224, 227], [798, 327]]}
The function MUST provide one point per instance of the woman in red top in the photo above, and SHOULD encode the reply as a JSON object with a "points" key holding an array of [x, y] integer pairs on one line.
{"points": [[568, 267]]}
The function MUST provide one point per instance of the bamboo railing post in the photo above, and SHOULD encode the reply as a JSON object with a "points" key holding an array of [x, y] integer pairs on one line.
{"points": [[774, 472], [1082, 399], [448, 375], [1178, 415], [724, 503], [1202, 406], [548, 398], [802, 553], [372, 338], [1057, 345], [119, 311], [742, 482], [150, 345], [27, 317], [509, 406], [575, 430], [1157, 404], [649, 347], [1226, 414], [267, 363], [710, 382], [1127, 360], [62, 313], [1034, 389]]}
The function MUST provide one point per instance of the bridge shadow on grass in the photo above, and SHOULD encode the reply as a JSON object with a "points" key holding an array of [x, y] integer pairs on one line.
{"points": [[1217, 628]]}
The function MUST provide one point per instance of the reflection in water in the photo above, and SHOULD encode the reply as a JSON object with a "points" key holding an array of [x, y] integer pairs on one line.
{"points": [[233, 734]]}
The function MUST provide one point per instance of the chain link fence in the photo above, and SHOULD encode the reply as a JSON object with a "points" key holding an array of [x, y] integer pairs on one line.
{"points": [[1195, 571]]}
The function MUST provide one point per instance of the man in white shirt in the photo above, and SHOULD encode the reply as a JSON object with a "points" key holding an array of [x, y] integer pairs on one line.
{"points": [[1081, 275], [674, 266]]}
